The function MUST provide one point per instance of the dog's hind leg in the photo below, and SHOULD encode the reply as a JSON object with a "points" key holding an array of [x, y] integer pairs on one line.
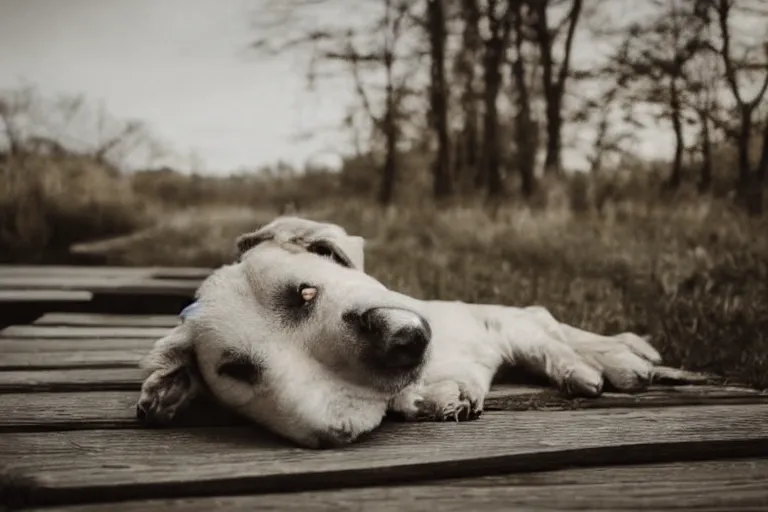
{"points": [[174, 380]]}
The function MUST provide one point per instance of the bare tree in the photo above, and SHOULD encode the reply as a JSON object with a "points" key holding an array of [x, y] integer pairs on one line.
{"points": [[441, 170], [373, 49], [723, 10], [465, 70], [499, 17], [524, 127], [554, 77], [655, 58], [14, 109]]}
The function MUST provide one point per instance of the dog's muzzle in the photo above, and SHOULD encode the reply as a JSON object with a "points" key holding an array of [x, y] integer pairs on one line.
{"points": [[397, 338]]}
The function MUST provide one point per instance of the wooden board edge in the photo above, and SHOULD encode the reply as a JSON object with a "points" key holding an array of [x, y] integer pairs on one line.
{"points": [[18, 490]]}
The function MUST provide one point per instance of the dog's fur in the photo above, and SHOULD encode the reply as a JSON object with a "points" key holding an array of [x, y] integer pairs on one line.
{"points": [[272, 339]]}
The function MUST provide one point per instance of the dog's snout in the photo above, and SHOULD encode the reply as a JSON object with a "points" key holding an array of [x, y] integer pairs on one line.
{"points": [[398, 336]]}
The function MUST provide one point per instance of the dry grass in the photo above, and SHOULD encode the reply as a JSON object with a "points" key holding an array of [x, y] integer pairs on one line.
{"points": [[691, 272], [695, 277], [47, 203]]}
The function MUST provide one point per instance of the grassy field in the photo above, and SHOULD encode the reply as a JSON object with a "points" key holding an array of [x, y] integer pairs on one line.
{"points": [[691, 272], [694, 277]]}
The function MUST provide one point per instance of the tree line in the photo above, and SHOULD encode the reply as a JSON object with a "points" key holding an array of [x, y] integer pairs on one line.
{"points": [[488, 87]]}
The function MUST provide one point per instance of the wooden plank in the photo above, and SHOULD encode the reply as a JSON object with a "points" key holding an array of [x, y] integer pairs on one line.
{"points": [[104, 285], [43, 295], [34, 346], [107, 320], [47, 411], [98, 410], [196, 273], [507, 397], [61, 332], [80, 379], [74, 271], [726, 486], [98, 465], [62, 360]]}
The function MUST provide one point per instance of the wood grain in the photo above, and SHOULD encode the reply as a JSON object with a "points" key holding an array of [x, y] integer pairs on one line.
{"points": [[44, 295], [83, 405], [99, 465], [726, 485], [105, 271], [31, 345], [45, 331], [107, 320], [104, 285], [59, 360], [68, 380]]}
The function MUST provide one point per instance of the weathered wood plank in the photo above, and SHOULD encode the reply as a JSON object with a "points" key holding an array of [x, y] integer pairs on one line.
{"points": [[107, 320], [62, 360], [727, 485], [44, 295], [98, 465], [80, 379], [196, 273], [61, 332], [105, 285], [47, 411], [73, 271], [38, 408], [33, 345]]}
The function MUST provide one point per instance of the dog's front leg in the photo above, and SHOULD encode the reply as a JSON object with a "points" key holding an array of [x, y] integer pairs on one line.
{"points": [[626, 360], [174, 380], [525, 339]]}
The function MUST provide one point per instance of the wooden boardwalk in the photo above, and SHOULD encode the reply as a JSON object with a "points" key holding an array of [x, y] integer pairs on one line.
{"points": [[70, 339]]}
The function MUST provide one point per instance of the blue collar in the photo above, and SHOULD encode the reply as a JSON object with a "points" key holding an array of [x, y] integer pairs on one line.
{"points": [[189, 310]]}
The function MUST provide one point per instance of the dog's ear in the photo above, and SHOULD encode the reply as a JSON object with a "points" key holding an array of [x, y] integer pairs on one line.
{"points": [[171, 352], [344, 249], [321, 238], [248, 241]]}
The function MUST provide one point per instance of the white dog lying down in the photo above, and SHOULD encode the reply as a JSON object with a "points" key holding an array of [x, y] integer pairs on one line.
{"points": [[297, 338]]}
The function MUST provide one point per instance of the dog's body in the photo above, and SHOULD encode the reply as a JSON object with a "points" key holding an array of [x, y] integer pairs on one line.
{"points": [[318, 351]]}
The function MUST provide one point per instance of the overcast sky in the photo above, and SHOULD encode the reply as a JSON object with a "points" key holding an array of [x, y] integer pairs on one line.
{"points": [[180, 65], [184, 68]]}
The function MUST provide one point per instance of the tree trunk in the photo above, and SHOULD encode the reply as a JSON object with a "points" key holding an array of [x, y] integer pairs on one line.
{"points": [[554, 81], [495, 49], [491, 175], [705, 182], [676, 176], [524, 133], [442, 180], [742, 144], [389, 172], [552, 163], [471, 50], [762, 168]]}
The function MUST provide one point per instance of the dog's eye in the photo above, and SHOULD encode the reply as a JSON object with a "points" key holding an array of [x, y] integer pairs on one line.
{"points": [[243, 370], [307, 292]]}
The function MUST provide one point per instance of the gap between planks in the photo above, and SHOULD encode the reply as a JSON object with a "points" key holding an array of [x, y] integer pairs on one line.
{"points": [[724, 485], [104, 465]]}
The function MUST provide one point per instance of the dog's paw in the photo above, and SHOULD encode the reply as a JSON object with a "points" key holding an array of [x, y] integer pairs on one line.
{"points": [[164, 395], [581, 380], [440, 401], [626, 361]]}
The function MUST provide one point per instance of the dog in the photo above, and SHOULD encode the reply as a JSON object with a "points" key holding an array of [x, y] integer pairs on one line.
{"points": [[297, 338]]}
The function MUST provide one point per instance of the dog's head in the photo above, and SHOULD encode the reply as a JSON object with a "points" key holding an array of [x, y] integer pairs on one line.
{"points": [[296, 337]]}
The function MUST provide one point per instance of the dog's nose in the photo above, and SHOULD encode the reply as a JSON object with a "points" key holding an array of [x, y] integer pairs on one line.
{"points": [[400, 337], [406, 347]]}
